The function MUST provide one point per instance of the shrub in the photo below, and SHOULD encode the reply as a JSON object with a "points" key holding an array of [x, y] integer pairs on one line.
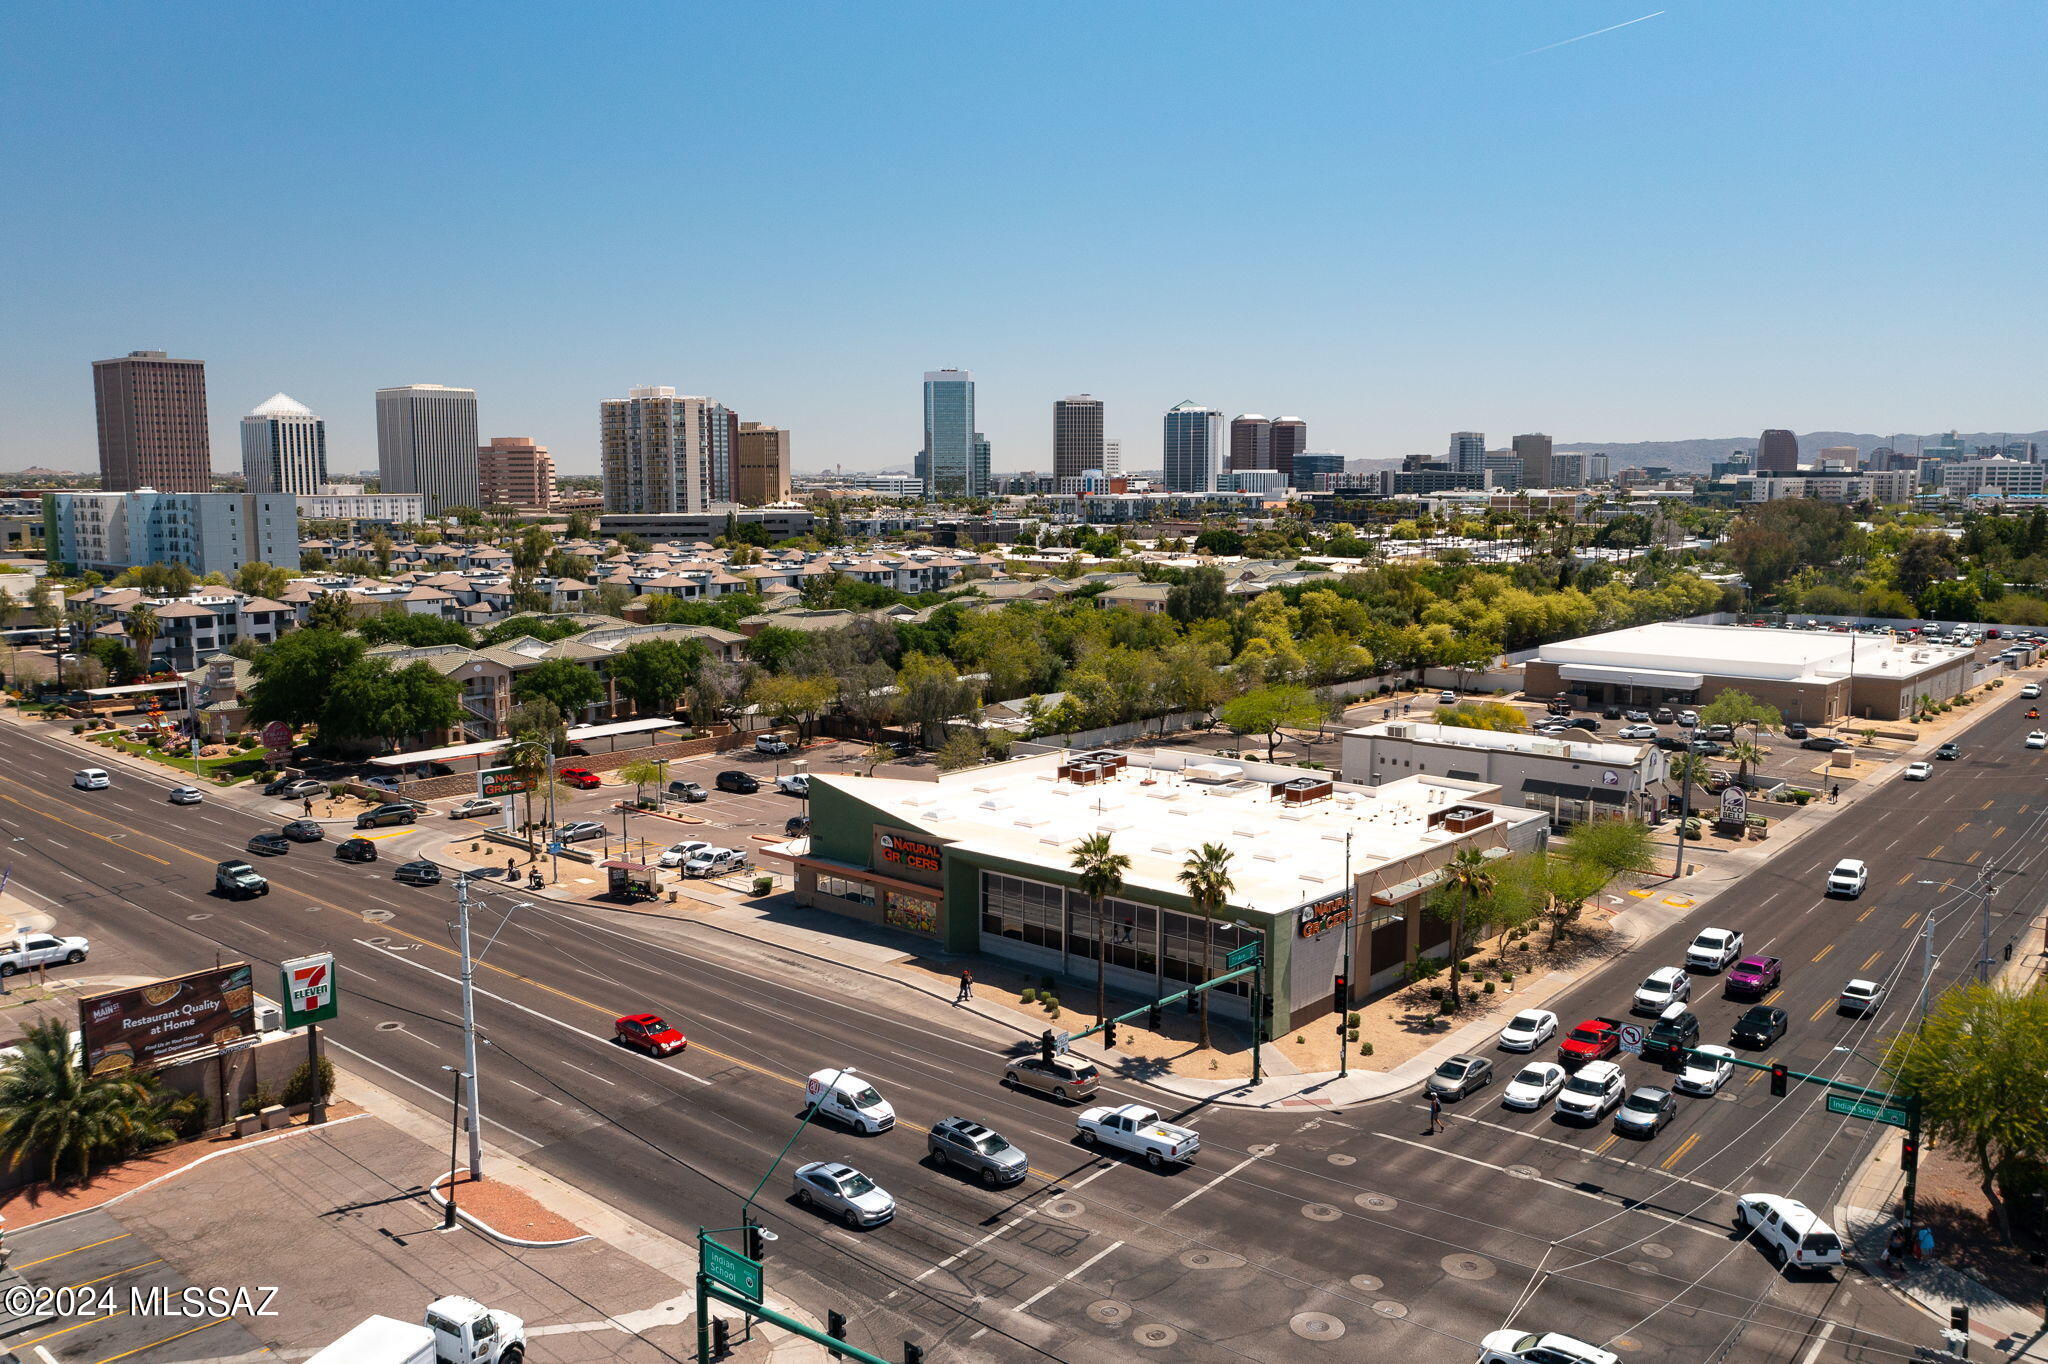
{"points": [[1028, 995], [1365, 1048], [298, 1086], [1351, 1034], [1487, 988], [1507, 977], [78, 728], [1351, 1020], [1436, 992], [1052, 1009], [262, 1097], [763, 884]]}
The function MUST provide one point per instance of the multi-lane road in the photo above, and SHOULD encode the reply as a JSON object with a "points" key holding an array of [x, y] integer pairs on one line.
{"points": [[1302, 1233]]}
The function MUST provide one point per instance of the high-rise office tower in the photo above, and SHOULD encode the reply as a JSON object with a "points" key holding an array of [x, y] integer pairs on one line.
{"points": [[721, 449], [950, 440], [513, 470], [1534, 450], [284, 448], [1251, 441], [426, 444], [977, 469], [152, 419], [1777, 453], [1315, 470], [1844, 457], [1290, 438], [1112, 457], [761, 465], [1468, 452], [654, 447], [1076, 437], [1194, 448]]}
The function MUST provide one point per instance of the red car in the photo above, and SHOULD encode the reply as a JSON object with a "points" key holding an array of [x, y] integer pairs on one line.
{"points": [[1596, 1039], [650, 1033], [582, 778]]}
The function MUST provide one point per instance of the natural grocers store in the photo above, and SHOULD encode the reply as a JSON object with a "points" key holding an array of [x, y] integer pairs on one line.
{"points": [[980, 862]]}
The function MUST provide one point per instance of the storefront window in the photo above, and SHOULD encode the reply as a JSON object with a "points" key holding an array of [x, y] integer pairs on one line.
{"points": [[1028, 911], [859, 892], [1162, 943]]}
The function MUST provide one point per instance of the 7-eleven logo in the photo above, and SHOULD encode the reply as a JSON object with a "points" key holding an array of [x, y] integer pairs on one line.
{"points": [[312, 987]]}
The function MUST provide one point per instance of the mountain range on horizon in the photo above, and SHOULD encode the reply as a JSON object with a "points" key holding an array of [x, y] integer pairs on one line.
{"points": [[1697, 455]]}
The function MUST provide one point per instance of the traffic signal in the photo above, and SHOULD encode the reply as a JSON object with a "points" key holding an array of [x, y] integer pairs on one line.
{"points": [[1909, 1155], [1778, 1077], [835, 1327], [912, 1354], [721, 1337], [757, 1244], [1047, 1045], [1152, 1016], [1340, 999], [1109, 1033], [1959, 1319]]}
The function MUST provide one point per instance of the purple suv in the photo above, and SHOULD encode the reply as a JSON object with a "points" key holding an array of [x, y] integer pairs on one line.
{"points": [[1752, 976]]}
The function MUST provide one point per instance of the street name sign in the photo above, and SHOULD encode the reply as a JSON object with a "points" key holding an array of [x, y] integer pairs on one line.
{"points": [[1864, 1108], [734, 1270], [1241, 957]]}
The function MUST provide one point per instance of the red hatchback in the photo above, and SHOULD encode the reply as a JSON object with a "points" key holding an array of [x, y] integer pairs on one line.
{"points": [[582, 778], [650, 1033]]}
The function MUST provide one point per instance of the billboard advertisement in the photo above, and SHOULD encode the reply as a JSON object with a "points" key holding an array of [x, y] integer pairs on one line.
{"points": [[138, 1027]]}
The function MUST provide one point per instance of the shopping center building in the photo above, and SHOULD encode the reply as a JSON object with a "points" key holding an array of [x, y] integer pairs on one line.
{"points": [[981, 861]]}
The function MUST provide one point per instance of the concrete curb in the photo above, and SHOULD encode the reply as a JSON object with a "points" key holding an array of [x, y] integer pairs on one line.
{"points": [[476, 1223]]}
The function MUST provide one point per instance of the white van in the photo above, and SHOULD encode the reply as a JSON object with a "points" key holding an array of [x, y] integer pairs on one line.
{"points": [[845, 1097], [1791, 1232]]}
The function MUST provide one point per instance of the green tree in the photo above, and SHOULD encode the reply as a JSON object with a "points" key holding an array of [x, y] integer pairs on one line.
{"points": [[142, 626], [294, 674], [1268, 710], [1101, 876], [643, 773], [535, 729], [876, 755], [65, 1121], [380, 550], [1206, 876], [1979, 1067], [399, 626], [1746, 755], [775, 646], [532, 549], [571, 686], [49, 606], [931, 693], [655, 673], [962, 748], [331, 611], [258, 579], [579, 526], [159, 580], [370, 700], [1201, 597], [1468, 877], [1612, 845], [1736, 708], [787, 695]]}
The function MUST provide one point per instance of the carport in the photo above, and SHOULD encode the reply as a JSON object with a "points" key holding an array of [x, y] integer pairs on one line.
{"points": [[640, 733]]}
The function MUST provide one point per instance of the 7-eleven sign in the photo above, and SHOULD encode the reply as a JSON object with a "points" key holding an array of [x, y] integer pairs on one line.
{"points": [[309, 991]]}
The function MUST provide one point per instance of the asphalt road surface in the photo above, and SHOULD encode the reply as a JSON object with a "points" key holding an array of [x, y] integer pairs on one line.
{"points": [[1299, 1234]]}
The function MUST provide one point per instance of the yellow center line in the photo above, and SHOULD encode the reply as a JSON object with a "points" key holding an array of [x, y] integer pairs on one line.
{"points": [[1825, 1005], [188, 1331], [2023, 809], [1675, 1156], [1824, 951], [1754, 1076], [1601, 1149], [1964, 827], [1985, 806], [1900, 882], [75, 1249], [1937, 849], [1973, 856], [1909, 920], [104, 838], [1772, 997], [1999, 832], [1871, 960], [1866, 913]]}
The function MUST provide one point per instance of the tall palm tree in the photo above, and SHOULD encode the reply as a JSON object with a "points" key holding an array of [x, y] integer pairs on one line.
{"points": [[65, 1119], [1206, 874], [142, 628], [1101, 876], [1470, 878], [1745, 755]]}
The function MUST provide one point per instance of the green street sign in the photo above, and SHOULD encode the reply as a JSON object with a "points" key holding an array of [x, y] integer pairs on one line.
{"points": [[734, 1270], [1244, 956], [1873, 1112]]}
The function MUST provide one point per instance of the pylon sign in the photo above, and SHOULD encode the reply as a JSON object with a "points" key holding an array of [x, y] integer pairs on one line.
{"points": [[309, 990]]}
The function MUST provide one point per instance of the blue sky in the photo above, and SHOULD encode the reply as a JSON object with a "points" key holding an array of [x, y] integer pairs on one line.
{"points": [[1375, 216]]}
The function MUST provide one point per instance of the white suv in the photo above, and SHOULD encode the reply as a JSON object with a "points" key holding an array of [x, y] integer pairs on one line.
{"points": [[1713, 949], [1666, 986], [1848, 878], [1589, 1095], [1790, 1231]]}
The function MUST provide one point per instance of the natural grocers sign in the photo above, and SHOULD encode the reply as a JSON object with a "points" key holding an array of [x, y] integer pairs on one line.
{"points": [[309, 990]]}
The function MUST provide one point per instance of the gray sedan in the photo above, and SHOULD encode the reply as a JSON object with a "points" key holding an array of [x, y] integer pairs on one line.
{"points": [[844, 1192], [969, 1146], [1460, 1075]]}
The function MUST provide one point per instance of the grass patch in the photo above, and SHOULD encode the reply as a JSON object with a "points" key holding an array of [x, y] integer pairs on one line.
{"points": [[225, 770]]}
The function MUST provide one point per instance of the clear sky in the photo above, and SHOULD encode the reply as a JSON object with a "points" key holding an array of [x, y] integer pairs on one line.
{"points": [[1379, 217]]}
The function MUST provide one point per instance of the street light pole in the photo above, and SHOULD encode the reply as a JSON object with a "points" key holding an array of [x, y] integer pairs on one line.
{"points": [[454, 1127], [1350, 930], [475, 1120]]}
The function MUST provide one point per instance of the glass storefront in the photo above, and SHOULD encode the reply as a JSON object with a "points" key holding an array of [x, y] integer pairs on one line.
{"points": [[1145, 940]]}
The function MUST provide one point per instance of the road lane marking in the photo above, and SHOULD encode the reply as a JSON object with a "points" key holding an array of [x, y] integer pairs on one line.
{"points": [[104, 838], [1972, 858], [1985, 806], [1754, 1076], [1900, 882], [1999, 832], [1824, 951], [1601, 1149], [1871, 960], [1909, 919], [1608, 1200], [1962, 828], [1772, 997], [1675, 1156], [1937, 851], [1825, 1005], [1066, 1276], [1813, 1351], [188, 1331], [74, 1250], [399, 1075], [1191, 1197], [1866, 913]]}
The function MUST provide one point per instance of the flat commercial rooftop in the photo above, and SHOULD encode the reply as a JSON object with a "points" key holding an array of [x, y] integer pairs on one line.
{"points": [[1285, 854], [1623, 753], [1679, 650]]}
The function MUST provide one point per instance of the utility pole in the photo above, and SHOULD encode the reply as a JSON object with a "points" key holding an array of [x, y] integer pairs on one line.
{"points": [[1985, 890], [1684, 813], [1350, 930], [475, 1120]]}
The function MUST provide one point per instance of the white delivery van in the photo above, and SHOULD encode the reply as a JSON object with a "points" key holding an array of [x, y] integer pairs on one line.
{"points": [[845, 1097]]}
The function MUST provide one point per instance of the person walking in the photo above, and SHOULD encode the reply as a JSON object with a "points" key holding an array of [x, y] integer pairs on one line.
{"points": [[511, 869], [1894, 1248], [966, 988], [307, 807], [1834, 793], [1436, 1115]]}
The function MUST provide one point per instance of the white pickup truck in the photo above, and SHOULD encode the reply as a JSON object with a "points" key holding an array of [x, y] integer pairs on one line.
{"points": [[456, 1331], [1138, 1130]]}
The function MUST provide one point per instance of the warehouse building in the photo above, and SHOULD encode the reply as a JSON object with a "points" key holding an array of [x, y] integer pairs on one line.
{"points": [[981, 861], [1813, 676], [1569, 779]]}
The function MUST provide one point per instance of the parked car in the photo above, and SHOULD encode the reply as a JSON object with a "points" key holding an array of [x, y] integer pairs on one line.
{"points": [[420, 873], [1848, 878], [304, 831], [90, 779], [1608, 712], [1861, 996], [475, 806], [1667, 985], [1447, 698], [396, 812], [773, 744], [796, 826], [1590, 1094], [1064, 1077], [969, 1146], [1706, 748], [582, 778], [1713, 949], [1689, 719], [1664, 715], [1528, 1030], [1820, 743], [650, 1033], [739, 783], [1636, 732], [844, 1192], [1706, 1070], [1791, 1232], [579, 831], [1460, 1075], [295, 788], [1722, 732], [1534, 1085], [268, 845], [1641, 717], [27, 951], [1795, 730], [186, 795], [355, 850], [1762, 1025], [686, 791], [1948, 752], [676, 854], [1645, 1111], [1919, 771], [1673, 743], [1754, 975]]}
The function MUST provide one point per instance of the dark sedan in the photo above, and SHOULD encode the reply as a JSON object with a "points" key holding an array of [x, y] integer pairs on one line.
{"points": [[304, 831], [1706, 748], [1820, 743], [270, 845], [1761, 1026], [739, 783], [420, 873], [1948, 752], [356, 850]]}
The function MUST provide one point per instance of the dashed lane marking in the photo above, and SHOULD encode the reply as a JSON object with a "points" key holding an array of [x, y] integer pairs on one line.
{"points": [[1197, 1193], [1609, 1200], [1824, 951], [1077, 1269]]}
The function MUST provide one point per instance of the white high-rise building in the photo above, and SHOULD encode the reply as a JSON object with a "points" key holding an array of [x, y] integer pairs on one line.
{"points": [[426, 444], [1112, 458], [284, 447], [655, 449], [1194, 447]]}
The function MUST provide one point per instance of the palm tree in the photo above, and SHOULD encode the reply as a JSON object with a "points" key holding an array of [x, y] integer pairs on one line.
{"points": [[1745, 756], [1206, 874], [1469, 876], [54, 1112], [142, 628], [1101, 876]]}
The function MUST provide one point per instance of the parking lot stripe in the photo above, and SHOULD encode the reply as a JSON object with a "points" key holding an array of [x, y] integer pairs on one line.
{"points": [[74, 1250], [189, 1331]]}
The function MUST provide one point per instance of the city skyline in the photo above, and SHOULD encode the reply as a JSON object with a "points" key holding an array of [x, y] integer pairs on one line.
{"points": [[1627, 264]]}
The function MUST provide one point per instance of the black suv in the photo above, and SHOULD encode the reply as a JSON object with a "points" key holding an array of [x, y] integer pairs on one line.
{"points": [[356, 850], [739, 783], [386, 814], [1669, 1037], [1948, 752], [1760, 1027]]}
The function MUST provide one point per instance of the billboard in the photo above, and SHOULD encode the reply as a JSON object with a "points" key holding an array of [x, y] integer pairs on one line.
{"points": [[139, 1027], [914, 858], [308, 989], [500, 781]]}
